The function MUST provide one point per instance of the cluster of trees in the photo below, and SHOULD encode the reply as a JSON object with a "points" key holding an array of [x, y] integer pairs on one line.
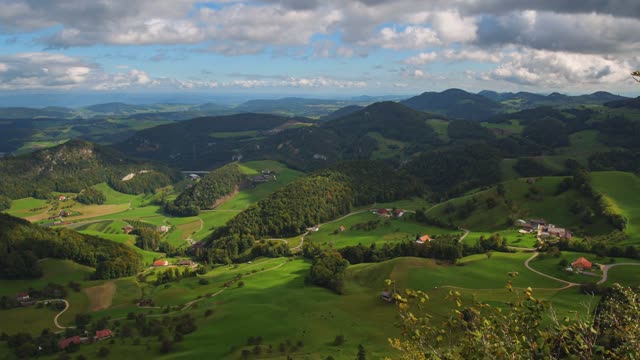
{"points": [[5, 203], [22, 244], [90, 196], [328, 269], [445, 247], [521, 329], [270, 249], [172, 275], [623, 160], [211, 188], [147, 238], [145, 183], [547, 131], [311, 200]]}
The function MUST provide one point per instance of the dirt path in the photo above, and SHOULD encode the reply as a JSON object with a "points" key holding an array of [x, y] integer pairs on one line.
{"points": [[605, 270], [55, 319], [526, 264]]}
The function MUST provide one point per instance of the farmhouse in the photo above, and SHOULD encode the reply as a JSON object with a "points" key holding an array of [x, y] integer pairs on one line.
{"points": [[103, 334], [423, 239], [62, 198], [398, 212], [127, 229], [383, 212], [314, 228], [551, 230], [194, 177], [582, 264], [163, 229], [187, 262], [161, 263], [64, 343], [22, 296]]}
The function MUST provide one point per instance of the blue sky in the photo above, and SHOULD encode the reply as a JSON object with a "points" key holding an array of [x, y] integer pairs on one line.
{"points": [[318, 47]]}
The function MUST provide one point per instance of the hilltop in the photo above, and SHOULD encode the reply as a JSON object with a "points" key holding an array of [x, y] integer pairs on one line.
{"points": [[74, 166], [455, 103]]}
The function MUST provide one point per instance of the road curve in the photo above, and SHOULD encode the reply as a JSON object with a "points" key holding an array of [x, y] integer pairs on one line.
{"points": [[55, 319], [526, 264], [605, 270]]}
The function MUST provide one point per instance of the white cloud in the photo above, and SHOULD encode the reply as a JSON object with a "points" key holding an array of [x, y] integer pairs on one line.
{"points": [[476, 55], [545, 68]]}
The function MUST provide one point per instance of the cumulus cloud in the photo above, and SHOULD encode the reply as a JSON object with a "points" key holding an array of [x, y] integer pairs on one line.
{"points": [[42, 70], [545, 68]]}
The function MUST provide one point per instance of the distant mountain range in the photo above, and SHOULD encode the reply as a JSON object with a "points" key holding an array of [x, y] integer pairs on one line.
{"points": [[524, 100]]}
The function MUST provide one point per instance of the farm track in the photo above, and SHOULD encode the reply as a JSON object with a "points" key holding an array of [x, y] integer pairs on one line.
{"points": [[605, 271], [526, 264]]}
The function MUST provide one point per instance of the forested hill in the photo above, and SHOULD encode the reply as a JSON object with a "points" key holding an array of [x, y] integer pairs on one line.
{"points": [[201, 142], [209, 190], [390, 119], [22, 244], [314, 199], [76, 165], [455, 103], [354, 136]]}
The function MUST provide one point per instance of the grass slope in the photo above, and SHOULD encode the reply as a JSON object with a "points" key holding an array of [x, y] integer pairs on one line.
{"points": [[623, 190]]}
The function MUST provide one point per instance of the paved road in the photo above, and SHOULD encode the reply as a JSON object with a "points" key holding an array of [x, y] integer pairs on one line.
{"points": [[605, 271], [526, 264]]}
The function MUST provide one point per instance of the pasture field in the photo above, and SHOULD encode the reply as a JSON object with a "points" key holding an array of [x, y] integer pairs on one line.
{"points": [[54, 270], [623, 189], [400, 229], [387, 148], [28, 207], [550, 265], [114, 197], [441, 127]]}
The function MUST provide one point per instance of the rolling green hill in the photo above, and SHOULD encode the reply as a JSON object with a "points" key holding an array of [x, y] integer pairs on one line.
{"points": [[623, 190]]}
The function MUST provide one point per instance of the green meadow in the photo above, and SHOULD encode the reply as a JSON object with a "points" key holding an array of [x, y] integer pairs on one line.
{"points": [[395, 230], [623, 189]]}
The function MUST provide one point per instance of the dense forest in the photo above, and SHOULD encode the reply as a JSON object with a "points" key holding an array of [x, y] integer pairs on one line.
{"points": [[22, 244], [75, 166]]}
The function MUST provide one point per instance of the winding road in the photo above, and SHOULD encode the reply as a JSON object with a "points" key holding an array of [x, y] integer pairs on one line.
{"points": [[55, 319], [526, 264], [605, 270]]}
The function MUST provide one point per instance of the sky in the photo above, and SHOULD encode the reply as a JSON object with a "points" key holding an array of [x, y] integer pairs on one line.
{"points": [[309, 47]]}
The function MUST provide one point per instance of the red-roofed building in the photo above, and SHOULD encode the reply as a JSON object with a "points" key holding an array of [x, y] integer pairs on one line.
{"points": [[160, 263], [127, 229], [424, 239], [383, 212], [62, 344], [582, 263], [62, 198], [103, 334]]}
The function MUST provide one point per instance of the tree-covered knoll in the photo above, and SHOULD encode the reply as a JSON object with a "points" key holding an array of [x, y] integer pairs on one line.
{"points": [[212, 187], [90, 196], [22, 244], [75, 166]]}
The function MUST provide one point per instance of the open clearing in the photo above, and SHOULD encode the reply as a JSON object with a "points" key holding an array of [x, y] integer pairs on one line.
{"points": [[100, 296]]}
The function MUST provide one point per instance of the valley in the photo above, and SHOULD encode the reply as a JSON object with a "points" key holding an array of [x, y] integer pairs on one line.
{"points": [[223, 263]]}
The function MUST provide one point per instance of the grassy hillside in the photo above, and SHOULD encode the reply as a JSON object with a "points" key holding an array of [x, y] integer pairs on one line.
{"points": [[520, 202], [623, 190]]}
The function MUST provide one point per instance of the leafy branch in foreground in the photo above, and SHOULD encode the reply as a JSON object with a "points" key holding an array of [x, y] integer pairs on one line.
{"points": [[526, 328], [636, 76]]}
